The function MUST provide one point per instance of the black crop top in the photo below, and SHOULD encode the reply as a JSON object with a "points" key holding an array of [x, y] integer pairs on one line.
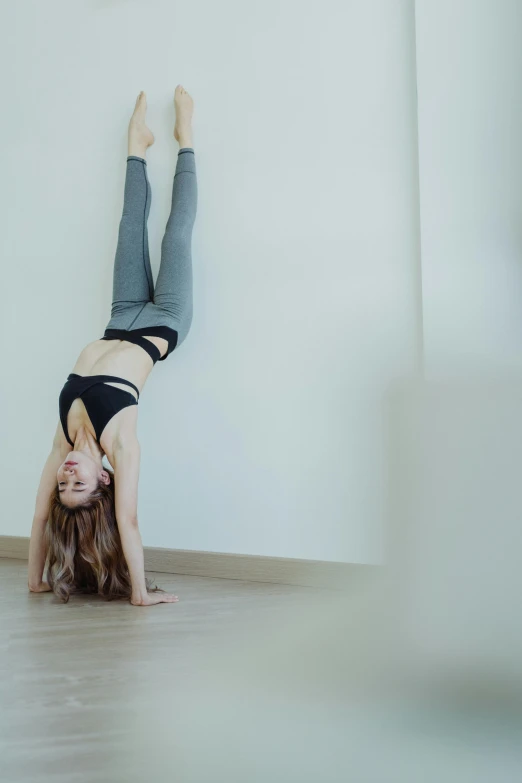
{"points": [[101, 401]]}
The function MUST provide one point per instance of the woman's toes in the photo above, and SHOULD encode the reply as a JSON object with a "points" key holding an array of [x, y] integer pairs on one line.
{"points": [[141, 103]]}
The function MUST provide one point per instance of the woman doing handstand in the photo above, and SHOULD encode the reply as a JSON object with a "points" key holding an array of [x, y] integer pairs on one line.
{"points": [[85, 518]]}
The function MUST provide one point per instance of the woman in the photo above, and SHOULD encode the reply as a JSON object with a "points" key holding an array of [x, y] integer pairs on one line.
{"points": [[86, 516]]}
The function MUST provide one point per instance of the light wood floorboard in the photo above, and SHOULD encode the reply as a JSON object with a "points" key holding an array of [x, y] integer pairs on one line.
{"points": [[201, 690], [239, 682]]}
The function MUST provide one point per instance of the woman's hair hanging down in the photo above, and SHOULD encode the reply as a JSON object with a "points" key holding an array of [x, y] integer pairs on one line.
{"points": [[84, 547]]}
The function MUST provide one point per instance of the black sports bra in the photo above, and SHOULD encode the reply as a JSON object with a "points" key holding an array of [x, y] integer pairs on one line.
{"points": [[101, 401]]}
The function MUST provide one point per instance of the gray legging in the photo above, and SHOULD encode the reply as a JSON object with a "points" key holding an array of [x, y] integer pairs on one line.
{"points": [[135, 302]]}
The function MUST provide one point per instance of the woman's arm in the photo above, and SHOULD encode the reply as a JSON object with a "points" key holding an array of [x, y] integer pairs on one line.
{"points": [[126, 456], [48, 480]]}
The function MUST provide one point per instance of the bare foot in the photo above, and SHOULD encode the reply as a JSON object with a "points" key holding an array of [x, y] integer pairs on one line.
{"points": [[140, 137], [184, 106]]}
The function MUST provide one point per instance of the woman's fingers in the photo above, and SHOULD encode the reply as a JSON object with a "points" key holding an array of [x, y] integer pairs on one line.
{"points": [[168, 598], [156, 598]]}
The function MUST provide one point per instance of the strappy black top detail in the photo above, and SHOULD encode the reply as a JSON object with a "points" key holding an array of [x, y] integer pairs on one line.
{"points": [[101, 401], [136, 336]]}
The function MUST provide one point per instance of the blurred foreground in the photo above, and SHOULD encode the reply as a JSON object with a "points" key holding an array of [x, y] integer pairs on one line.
{"points": [[412, 673]]}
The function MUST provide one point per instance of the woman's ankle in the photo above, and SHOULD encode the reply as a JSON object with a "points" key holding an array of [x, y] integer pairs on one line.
{"points": [[137, 150], [185, 140]]}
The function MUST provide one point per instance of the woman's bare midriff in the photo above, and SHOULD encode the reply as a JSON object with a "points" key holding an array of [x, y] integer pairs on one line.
{"points": [[120, 358]]}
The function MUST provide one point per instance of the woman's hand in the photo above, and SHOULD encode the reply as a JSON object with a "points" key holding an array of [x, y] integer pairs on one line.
{"points": [[149, 599], [43, 587]]}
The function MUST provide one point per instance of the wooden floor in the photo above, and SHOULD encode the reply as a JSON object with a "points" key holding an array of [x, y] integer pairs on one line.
{"points": [[203, 690], [239, 682]]}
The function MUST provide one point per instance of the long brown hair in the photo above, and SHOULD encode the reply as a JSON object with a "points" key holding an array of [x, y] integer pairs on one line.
{"points": [[84, 547]]}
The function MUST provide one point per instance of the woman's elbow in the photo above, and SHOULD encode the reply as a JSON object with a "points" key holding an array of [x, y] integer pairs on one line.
{"points": [[128, 522]]}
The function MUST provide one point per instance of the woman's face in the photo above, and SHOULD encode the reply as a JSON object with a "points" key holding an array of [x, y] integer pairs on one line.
{"points": [[78, 477]]}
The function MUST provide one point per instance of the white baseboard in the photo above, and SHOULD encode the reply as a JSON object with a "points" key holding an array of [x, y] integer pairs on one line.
{"points": [[252, 568]]}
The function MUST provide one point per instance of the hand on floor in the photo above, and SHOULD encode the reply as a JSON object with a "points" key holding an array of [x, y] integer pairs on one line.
{"points": [[43, 587], [154, 598]]}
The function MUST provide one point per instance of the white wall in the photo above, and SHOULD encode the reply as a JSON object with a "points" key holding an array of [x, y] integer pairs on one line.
{"points": [[265, 433], [469, 62]]}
